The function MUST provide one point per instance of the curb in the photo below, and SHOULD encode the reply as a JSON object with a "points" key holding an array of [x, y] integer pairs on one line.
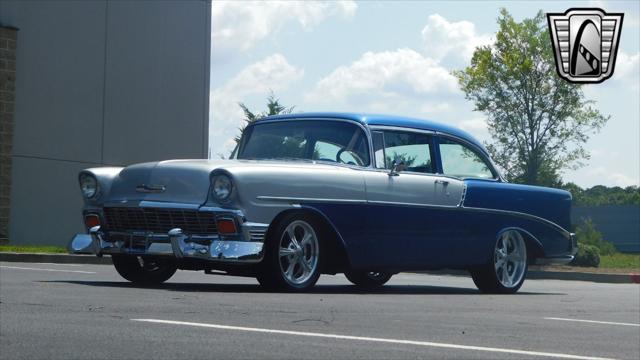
{"points": [[580, 276], [55, 258], [558, 275], [532, 274]]}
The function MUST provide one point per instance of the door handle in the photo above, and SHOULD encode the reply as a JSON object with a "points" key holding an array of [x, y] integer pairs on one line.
{"points": [[443, 182]]}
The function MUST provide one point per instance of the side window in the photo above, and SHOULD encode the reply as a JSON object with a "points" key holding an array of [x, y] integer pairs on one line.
{"points": [[460, 161], [327, 151], [412, 148]]}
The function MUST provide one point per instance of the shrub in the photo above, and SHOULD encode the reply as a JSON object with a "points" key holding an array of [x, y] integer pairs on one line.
{"points": [[588, 256], [587, 234]]}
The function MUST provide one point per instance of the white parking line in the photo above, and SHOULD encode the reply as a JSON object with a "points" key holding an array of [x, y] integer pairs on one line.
{"points": [[593, 321], [55, 264], [56, 270], [372, 339]]}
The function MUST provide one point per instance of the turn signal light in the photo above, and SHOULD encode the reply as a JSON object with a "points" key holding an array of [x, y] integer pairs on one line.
{"points": [[91, 221], [226, 226]]}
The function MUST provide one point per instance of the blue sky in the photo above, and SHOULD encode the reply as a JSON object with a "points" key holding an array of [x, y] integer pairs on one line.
{"points": [[396, 57]]}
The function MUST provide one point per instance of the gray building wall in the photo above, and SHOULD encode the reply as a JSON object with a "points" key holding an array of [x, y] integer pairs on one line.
{"points": [[100, 83], [619, 224]]}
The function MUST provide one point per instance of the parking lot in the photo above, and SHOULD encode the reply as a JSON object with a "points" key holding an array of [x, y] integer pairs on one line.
{"points": [[64, 311]]}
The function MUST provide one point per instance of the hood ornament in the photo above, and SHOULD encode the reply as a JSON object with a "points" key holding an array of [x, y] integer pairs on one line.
{"points": [[144, 188]]}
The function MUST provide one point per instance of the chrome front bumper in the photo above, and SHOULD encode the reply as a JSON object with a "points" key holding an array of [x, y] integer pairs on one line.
{"points": [[175, 243]]}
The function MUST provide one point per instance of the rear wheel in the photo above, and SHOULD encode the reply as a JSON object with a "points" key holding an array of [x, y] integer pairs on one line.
{"points": [[294, 254], [367, 279], [506, 272], [144, 270]]}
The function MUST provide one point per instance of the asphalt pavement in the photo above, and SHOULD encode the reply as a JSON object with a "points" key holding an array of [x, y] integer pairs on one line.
{"points": [[82, 311]]}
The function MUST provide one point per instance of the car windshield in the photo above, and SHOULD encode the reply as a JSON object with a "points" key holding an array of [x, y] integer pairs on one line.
{"points": [[334, 141]]}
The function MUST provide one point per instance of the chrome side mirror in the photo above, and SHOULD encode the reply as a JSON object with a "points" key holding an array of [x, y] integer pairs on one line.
{"points": [[398, 165]]}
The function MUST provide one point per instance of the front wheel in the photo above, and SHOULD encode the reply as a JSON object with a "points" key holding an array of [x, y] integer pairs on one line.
{"points": [[294, 255], [143, 270], [367, 279], [506, 272]]}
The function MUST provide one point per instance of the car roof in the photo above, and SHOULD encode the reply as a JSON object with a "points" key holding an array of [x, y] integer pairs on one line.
{"points": [[381, 119]]}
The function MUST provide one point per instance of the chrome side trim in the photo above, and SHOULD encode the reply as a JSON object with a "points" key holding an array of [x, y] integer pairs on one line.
{"points": [[297, 199], [379, 202], [460, 206], [522, 215]]}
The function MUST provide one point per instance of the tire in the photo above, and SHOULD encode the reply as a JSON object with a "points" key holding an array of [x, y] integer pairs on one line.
{"points": [[144, 271], [507, 270], [367, 279], [294, 255]]}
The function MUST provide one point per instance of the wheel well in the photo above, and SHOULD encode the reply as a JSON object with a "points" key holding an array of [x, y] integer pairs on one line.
{"points": [[534, 248], [338, 260]]}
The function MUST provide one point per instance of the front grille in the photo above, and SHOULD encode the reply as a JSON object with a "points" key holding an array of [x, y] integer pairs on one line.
{"points": [[159, 220]]}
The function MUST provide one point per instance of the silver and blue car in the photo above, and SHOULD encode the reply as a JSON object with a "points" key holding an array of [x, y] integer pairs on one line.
{"points": [[325, 193]]}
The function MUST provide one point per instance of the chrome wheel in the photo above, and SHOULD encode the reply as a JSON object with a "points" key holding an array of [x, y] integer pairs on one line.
{"points": [[298, 252], [510, 259]]}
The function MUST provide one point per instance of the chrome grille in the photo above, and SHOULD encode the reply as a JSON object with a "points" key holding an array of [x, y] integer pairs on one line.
{"points": [[159, 220], [257, 235]]}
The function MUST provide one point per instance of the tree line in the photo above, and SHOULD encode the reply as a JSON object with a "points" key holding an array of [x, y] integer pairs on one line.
{"points": [[603, 195]]}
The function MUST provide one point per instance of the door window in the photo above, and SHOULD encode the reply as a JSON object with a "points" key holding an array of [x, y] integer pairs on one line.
{"points": [[414, 149], [461, 161]]}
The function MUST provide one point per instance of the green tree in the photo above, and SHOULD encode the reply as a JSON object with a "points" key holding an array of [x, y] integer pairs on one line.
{"points": [[274, 107], [538, 121], [603, 195]]}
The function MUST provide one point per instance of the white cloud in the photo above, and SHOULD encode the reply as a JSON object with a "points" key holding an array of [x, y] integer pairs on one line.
{"points": [[628, 69], [474, 125], [614, 178], [272, 73], [601, 175], [454, 41], [242, 24], [439, 107], [388, 75]]}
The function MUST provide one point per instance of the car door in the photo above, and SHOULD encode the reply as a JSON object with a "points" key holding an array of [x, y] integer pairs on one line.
{"points": [[403, 208]]}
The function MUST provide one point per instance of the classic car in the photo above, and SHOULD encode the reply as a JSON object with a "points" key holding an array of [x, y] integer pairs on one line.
{"points": [[326, 193]]}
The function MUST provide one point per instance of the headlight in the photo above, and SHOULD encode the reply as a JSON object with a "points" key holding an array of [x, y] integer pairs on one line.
{"points": [[221, 187], [89, 185]]}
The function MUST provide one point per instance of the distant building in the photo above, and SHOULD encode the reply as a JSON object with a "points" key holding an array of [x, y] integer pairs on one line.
{"points": [[93, 83]]}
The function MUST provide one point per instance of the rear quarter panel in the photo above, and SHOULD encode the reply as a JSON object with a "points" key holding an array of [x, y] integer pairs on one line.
{"points": [[543, 213]]}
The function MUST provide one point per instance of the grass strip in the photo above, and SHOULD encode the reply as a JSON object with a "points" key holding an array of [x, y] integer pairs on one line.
{"points": [[33, 249], [620, 261]]}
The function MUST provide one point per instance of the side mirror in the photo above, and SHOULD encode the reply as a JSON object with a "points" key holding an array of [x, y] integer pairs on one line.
{"points": [[398, 165]]}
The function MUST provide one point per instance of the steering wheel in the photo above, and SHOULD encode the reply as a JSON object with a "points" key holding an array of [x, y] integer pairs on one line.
{"points": [[353, 154]]}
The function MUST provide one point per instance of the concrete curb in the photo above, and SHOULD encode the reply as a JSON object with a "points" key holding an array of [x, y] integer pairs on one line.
{"points": [[54, 258], [538, 274], [580, 276], [532, 274]]}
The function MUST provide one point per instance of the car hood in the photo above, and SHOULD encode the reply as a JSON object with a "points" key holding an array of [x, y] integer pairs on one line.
{"points": [[187, 181]]}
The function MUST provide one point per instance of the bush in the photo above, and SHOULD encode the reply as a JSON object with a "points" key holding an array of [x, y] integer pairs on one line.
{"points": [[587, 234], [588, 256]]}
